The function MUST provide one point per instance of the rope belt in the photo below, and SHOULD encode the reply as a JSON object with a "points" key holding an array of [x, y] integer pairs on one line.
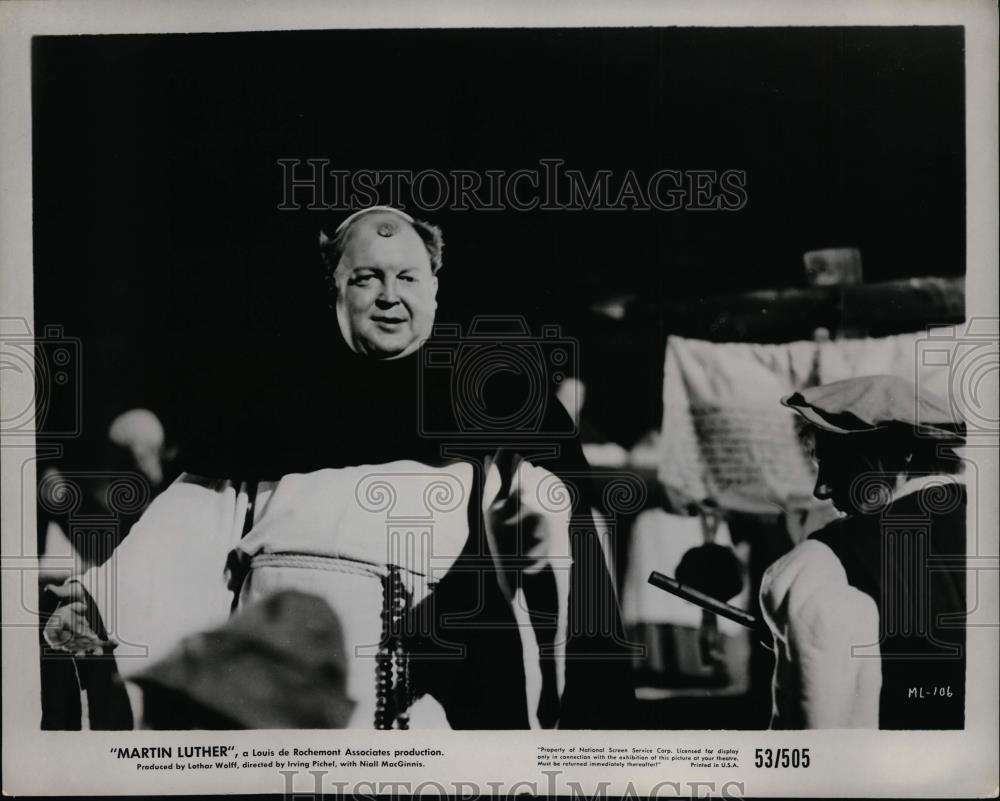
{"points": [[334, 564]]}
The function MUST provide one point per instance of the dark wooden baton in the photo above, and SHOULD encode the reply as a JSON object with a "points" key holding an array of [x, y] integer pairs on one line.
{"points": [[707, 602]]}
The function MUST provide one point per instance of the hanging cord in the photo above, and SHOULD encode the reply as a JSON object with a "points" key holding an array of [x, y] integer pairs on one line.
{"points": [[393, 690], [238, 562]]}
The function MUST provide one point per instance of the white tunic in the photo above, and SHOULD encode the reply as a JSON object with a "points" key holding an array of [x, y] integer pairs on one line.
{"points": [[333, 533]]}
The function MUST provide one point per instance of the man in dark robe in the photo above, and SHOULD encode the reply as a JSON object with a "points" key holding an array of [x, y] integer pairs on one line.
{"points": [[370, 399]]}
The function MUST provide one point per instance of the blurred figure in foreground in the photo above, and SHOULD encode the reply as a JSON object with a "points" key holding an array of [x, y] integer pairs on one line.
{"points": [[277, 664], [868, 614]]}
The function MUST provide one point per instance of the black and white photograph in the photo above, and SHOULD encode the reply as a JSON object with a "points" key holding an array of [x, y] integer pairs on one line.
{"points": [[628, 386]]}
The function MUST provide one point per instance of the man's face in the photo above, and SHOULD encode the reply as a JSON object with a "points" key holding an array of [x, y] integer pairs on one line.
{"points": [[386, 293], [844, 474]]}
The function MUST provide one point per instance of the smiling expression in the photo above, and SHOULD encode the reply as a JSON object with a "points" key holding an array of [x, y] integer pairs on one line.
{"points": [[386, 292]]}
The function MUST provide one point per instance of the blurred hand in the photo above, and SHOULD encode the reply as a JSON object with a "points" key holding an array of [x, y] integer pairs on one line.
{"points": [[521, 533], [68, 629]]}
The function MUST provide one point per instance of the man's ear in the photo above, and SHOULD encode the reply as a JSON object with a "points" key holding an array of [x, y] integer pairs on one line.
{"points": [[434, 285], [336, 278]]}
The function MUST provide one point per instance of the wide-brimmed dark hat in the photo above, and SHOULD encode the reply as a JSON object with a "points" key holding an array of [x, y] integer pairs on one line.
{"points": [[278, 664], [869, 403]]}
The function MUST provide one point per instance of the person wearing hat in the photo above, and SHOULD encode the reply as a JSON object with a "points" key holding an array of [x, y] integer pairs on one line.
{"points": [[277, 664], [324, 482], [867, 614]]}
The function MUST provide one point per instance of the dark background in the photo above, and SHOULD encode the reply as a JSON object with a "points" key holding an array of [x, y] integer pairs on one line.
{"points": [[159, 244]]}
